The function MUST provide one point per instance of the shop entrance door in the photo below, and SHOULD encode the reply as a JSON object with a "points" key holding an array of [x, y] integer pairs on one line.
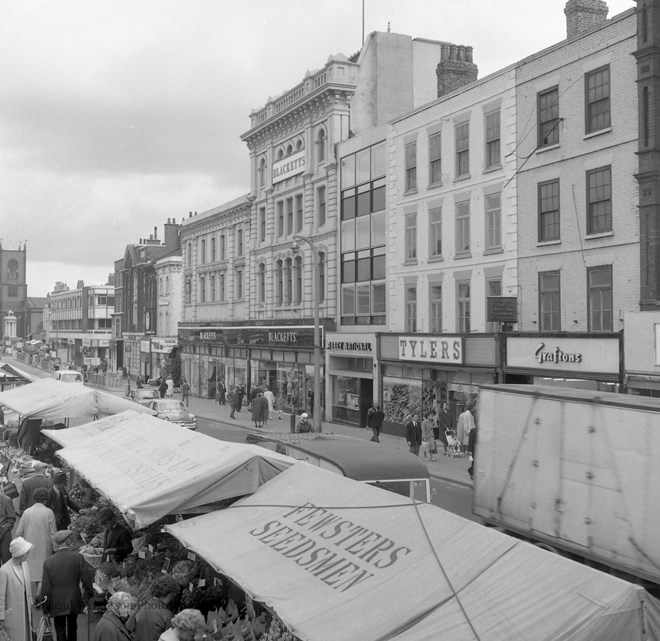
{"points": [[366, 398]]}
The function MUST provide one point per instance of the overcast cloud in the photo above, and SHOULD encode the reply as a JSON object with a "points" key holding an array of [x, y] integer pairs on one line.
{"points": [[117, 115]]}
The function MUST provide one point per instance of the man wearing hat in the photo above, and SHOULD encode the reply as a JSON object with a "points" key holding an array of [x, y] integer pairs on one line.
{"points": [[39, 479], [62, 575], [60, 502], [303, 424], [15, 592]]}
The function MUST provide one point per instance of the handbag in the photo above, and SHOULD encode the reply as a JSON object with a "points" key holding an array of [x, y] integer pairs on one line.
{"points": [[3, 634], [11, 491], [44, 631]]}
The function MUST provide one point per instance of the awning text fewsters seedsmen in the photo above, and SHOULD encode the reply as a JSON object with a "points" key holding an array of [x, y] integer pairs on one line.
{"points": [[337, 551]]}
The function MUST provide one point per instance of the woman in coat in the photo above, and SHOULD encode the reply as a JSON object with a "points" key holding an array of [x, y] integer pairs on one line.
{"points": [[444, 424], [16, 593]]}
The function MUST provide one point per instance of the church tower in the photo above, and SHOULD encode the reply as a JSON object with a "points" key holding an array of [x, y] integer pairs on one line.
{"points": [[13, 286]]}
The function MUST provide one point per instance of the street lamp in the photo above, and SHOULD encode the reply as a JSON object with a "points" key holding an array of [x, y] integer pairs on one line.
{"points": [[317, 333]]}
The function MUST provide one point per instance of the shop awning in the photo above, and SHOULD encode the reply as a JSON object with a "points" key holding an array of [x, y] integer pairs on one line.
{"points": [[336, 558], [150, 468], [51, 399]]}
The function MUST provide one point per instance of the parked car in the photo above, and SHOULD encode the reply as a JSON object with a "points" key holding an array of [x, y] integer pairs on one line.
{"points": [[143, 395], [175, 411], [68, 376]]}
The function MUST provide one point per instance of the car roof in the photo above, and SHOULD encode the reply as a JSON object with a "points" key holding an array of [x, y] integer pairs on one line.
{"points": [[357, 459]]}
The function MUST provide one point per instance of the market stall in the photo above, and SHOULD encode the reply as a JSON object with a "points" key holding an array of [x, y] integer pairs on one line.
{"points": [[149, 468], [77, 435], [11, 376], [342, 553]]}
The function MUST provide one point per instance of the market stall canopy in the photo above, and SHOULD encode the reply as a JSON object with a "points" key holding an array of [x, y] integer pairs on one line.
{"points": [[77, 435], [7, 370], [51, 399], [150, 468], [336, 558]]}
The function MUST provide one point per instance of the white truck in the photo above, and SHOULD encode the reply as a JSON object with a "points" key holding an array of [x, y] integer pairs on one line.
{"points": [[574, 471]]}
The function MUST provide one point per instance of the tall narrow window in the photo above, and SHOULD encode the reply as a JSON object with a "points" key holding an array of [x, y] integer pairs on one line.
{"points": [[320, 146], [549, 302], [492, 126], [463, 228], [239, 284], [288, 281], [462, 138], [202, 289], [212, 287], [493, 216], [435, 308], [600, 299], [463, 307], [298, 284], [262, 172], [320, 206], [280, 218], [597, 97], [411, 237], [299, 212], [435, 232], [549, 228], [493, 289], [411, 166], [599, 200], [548, 117], [223, 247], [411, 308], [279, 283], [321, 282], [435, 159], [239, 242], [261, 284], [202, 251], [213, 253], [262, 224], [222, 291], [189, 254], [289, 216]]}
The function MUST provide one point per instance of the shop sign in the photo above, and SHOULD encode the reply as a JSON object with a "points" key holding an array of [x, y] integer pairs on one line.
{"points": [[350, 343], [163, 345], [290, 166], [502, 309], [144, 347], [104, 342], [431, 349], [582, 354], [290, 336], [86, 342], [656, 327]]}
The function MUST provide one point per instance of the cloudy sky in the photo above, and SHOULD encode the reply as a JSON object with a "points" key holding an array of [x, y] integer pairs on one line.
{"points": [[117, 115]]}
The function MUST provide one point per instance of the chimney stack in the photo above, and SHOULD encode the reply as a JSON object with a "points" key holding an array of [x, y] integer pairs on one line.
{"points": [[455, 69], [582, 15]]}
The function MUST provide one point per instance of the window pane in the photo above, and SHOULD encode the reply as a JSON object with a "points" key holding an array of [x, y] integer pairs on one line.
{"points": [[348, 300], [493, 221], [549, 219], [348, 172], [378, 298], [348, 206], [348, 271], [548, 108], [363, 269], [364, 201], [378, 160], [363, 235], [599, 194], [378, 229], [378, 267], [378, 199], [363, 166], [362, 299], [348, 235]]}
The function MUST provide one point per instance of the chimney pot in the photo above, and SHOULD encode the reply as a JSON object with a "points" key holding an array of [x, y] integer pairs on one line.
{"points": [[583, 15]]}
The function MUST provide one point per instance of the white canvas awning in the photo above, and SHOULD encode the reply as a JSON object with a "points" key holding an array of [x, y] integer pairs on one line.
{"points": [[51, 399], [150, 468], [338, 559], [77, 435]]}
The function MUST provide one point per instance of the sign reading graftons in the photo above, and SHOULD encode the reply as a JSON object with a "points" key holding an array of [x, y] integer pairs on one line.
{"points": [[502, 309]]}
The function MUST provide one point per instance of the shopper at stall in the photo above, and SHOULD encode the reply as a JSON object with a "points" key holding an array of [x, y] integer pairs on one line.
{"points": [[39, 479], [7, 522], [63, 573], [37, 525], [112, 625], [15, 593], [60, 502], [185, 626], [154, 617], [117, 539]]}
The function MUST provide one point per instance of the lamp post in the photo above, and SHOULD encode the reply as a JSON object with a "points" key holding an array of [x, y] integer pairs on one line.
{"points": [[317, 334]]}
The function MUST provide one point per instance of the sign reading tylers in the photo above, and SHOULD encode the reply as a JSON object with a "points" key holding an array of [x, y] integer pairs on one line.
{"points": [[337, 551]]}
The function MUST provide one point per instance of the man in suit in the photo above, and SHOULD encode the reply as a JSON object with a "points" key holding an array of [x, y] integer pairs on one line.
{"points": [[60, 502], [39, 479], [117, 540], [414, 434], [7, 522], [62, 575]]}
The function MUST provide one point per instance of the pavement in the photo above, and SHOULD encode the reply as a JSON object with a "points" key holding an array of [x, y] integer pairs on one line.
{"points": [[445, 468]]}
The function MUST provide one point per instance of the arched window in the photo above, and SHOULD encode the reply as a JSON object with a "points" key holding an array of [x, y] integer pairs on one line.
{"points": [[297, 296], [320, 146], [289, 149], [299, 144], [280, 153], [262, 172], [288, 281], [321, 282], [279, 283], [261, 284]]}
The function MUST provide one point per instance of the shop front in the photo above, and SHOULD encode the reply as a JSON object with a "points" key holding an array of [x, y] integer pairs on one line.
{"points": [[590, 361], [280, 358], [421, 371], [154, 356], [641, 349], [350, 385]]}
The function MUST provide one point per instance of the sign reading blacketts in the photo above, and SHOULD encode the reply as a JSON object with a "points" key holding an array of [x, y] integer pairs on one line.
{"points": [[290, 337], [502, 309]]}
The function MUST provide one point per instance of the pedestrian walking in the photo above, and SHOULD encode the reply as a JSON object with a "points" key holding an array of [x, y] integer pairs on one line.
{"points": [[222, 392], [60, 502], [169, 382], [413, 433], [37, 526], [260, 411], [231, 397], [185, 391], [270, 398], [428, 440], [444, 424], [465, 425], [63, 573], [162, 387], [240, 393], [280, 406], [7, 522], [15, 592], [375, 418]]}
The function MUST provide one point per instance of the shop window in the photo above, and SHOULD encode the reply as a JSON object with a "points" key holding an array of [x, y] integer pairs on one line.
{"points": [[402, 397]]}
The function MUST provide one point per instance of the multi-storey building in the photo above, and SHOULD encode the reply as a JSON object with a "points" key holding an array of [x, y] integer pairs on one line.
{"points": [[81, 322], [135, 321]]}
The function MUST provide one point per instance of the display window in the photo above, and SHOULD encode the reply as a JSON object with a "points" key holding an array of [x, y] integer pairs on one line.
{"points": [[402, 397], [346, 398]]}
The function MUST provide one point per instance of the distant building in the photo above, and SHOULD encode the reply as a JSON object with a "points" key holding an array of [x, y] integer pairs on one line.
{"points": [[13, 287]]}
